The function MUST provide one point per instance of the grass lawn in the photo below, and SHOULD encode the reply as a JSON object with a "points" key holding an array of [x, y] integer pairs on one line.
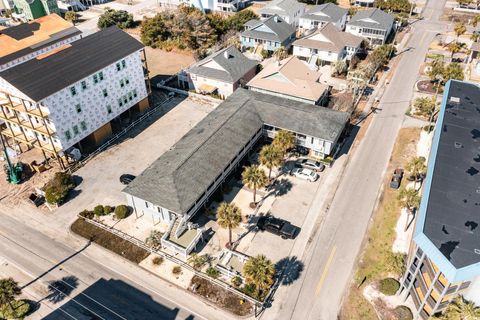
{"points": [[377, 260], [109, 241], [221, 297]]}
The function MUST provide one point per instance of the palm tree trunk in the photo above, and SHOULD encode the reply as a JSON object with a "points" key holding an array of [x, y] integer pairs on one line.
{"points": [[229, 237], [255, 194], [269, 173]]}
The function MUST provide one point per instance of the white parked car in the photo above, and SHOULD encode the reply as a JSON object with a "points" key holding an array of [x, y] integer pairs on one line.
{"points": [[305, 174]]}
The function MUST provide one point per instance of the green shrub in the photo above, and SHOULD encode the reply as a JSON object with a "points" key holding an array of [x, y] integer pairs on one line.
{"points": [[157, 261], [403, 313], [86, 214], [236, 281], [249, 289], [389, 286], [108, 209], [98, 210], [57, 189], [177, 270], [121, 211], [213, 272], [16, 310]]}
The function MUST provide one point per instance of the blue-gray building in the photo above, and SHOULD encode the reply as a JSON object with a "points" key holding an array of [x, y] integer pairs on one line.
{"points": [[444, 260]]}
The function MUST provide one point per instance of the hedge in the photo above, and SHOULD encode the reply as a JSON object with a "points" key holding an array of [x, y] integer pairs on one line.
{"points": [[389, 286]]}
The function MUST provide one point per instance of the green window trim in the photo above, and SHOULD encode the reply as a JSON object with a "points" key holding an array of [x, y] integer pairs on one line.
{"points": [[78, 107]]}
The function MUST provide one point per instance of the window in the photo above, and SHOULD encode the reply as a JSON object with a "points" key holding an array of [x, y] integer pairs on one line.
{"points": [[84, 85], [75, 130], [127, 81], [118, 67], [312, 140], [73, 91], [83, 125], [135, 93], [130, 96], [120, 103], [109, 109], [68, 135], [100, 75], [124, 64], [78, 108], [146, 204], [105, 93], [125, 100], [95, 78], [121, 83]]}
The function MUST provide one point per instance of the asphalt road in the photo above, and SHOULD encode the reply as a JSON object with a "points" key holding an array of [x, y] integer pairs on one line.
{"points": [[318, 294], [91, 283]]}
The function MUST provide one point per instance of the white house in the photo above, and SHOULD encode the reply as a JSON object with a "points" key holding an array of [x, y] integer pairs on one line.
{"points": [[220, 73], [318, 16], [214, 5], [289, 10], [61, 99], [327, 45], [372, 24]]}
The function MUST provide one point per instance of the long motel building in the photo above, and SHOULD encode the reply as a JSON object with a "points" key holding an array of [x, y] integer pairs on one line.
{"points": [[59, 90]]}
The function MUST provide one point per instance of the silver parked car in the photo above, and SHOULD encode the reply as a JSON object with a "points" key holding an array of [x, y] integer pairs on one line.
{"points": [[309, 164], [305, 174]]}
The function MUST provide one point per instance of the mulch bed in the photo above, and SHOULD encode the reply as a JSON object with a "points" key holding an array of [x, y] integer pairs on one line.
{"points": [[220, 297], [109, 241]]}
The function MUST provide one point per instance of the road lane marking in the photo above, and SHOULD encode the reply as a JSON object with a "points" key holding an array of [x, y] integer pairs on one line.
{"points": [[325, 270]]}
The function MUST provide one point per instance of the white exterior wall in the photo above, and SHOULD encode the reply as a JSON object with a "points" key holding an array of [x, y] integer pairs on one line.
{"points": [[223, 88], [307, 23], [355, 30], [62, 105], [156, 213], [37, 53], [323, 55], [473, 293]]}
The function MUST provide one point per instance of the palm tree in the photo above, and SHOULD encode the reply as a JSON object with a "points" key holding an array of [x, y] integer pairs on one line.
{"points": [[229, 217], [462, 309], [280, 54], [9, 289], [284, 140], [416, 168], [259, 271], [475, 37], [454, 47], [254, 178], [410, 200], [196, 260], [475, 20], [459, 29], [270, 157], [71, 16]]}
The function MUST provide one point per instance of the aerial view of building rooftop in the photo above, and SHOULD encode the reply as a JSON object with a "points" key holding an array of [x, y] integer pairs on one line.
{"points": [[290, 78], [448, 226], [21, 43]]}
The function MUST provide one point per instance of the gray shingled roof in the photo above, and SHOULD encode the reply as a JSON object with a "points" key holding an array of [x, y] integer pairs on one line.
{"points": [[234, 63], [40, 78], [286, 7], [180, 176], [384, 21], [333, 13], [281, 30]]}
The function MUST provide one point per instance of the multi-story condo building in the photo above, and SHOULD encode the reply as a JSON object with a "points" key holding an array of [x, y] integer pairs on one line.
{"points": [[30, 40], [33, 9], [444, 257], [67, 97], [176, 185], [318, 16], [372, 24]]}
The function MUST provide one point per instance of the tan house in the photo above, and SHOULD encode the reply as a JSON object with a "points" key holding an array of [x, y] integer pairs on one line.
{"points": [[292, 79]]}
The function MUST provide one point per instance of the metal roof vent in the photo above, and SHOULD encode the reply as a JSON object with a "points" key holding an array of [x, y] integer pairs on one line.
{"points": [[455, 100], [477, 251], [458, 145]]}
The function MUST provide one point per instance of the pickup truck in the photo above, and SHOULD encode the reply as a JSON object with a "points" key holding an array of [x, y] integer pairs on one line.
{"points": [[278, 226]]}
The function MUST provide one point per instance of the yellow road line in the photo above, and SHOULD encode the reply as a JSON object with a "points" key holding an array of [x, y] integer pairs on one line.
{"points": [[325, 271]]}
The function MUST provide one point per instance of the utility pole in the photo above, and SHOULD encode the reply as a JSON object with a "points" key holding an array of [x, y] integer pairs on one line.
{"points": [[12, 175]]}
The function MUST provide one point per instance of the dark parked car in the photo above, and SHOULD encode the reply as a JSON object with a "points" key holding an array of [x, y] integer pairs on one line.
{"points": [[126, 178], [278, 226], [396, 179], [299, 151]]}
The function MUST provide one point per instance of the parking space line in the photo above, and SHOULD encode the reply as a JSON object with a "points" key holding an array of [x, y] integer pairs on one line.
{"points": [[325, 270]]}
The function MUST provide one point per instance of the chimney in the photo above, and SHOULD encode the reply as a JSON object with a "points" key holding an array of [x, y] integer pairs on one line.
{"points": [[275, 18], [225, 54]]}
